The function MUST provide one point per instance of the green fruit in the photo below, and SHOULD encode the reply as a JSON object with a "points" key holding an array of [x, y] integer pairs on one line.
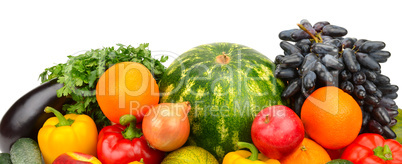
{"points": [[189, 155], [339, 161], [25, 150], [397, 128], [5, 158], [227, 85]]}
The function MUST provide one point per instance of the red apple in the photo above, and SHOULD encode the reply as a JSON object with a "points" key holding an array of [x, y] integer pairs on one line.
{"points": [[76, 158], [277, 131]]}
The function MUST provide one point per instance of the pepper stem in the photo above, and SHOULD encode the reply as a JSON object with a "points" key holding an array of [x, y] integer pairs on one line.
{"points": [[62, 120], [131, 131], [251, 147], [384, 153]]}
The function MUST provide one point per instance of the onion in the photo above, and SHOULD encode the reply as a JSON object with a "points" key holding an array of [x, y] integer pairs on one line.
{"points": [[166, 126]]}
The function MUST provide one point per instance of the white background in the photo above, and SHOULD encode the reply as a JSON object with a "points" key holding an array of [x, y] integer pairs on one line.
{"points": [[35, 35]]}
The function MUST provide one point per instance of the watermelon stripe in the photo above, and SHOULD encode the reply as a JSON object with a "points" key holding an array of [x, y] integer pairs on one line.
{"points": [[225, 97]]}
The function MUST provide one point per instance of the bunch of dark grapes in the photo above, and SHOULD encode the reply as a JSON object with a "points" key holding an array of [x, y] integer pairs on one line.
{"points": [[320, 56]]}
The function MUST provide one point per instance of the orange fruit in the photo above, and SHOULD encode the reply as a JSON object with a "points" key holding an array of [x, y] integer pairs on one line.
{"points": [[308, 152], [331, 117], [126, 88]]}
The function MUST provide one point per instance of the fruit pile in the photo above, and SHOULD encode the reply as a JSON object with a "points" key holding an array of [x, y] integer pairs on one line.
{"points": [[322, 56]]}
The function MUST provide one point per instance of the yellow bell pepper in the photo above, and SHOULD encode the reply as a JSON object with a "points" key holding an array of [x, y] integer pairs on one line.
{"points": [[247, 157], [69, 133]]}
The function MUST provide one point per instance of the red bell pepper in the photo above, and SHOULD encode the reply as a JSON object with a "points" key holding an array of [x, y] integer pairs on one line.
{"points": [[369, 148], [118, 144]]}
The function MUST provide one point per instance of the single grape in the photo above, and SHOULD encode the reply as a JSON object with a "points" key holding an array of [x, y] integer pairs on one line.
{"points": [[370, 87], [304, 45], [381, 80], [321, 48], [326, 38], [391, 95], [334, 31], [368, 62], [394, 107], [388, 132], [319, 25], [309, 81], [359, 78], [366, 118], [335, 73], [306, 24], [279, 59], [350, 61], [347, 87], [361, 102], [299, 103], [370, 75], [285, 73], [308, 63], [368, 108], [359, 43], [375, 127], [289, 48], [334, 42], [388, 89], [345, 75], [393, 122], [359, 91], [380, 56], [323, 74], [378, 94], [332, 62], [348, 42], [392, 113], [371, 46], [372, 100], [387, 103], [292, 61], [291, 89], [299, 35], [380, 114], [287, 34]]}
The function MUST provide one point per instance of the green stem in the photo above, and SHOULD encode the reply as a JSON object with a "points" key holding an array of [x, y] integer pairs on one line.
{"points": [[384, 153], [251, 147], [131, 131], [62, 120]]}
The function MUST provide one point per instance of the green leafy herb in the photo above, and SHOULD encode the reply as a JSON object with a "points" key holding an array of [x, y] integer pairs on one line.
{"points": [[81, 73]]}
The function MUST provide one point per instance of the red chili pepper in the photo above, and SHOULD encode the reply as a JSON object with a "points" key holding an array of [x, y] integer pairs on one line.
{"points": [[120, 145], [369, 148]]}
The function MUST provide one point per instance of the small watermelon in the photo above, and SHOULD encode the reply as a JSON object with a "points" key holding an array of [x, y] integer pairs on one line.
{"points": [[189, 155], [227, 85]]}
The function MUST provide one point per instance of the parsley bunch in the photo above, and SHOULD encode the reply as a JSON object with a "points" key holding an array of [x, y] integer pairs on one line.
{"points": [[81, 73]]}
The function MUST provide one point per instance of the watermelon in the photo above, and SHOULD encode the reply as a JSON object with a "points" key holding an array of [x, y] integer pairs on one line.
{"points": [[227, 85]]}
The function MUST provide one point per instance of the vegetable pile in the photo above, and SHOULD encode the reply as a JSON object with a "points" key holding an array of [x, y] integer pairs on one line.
{"points": [[80, 75], [323, 101]]}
